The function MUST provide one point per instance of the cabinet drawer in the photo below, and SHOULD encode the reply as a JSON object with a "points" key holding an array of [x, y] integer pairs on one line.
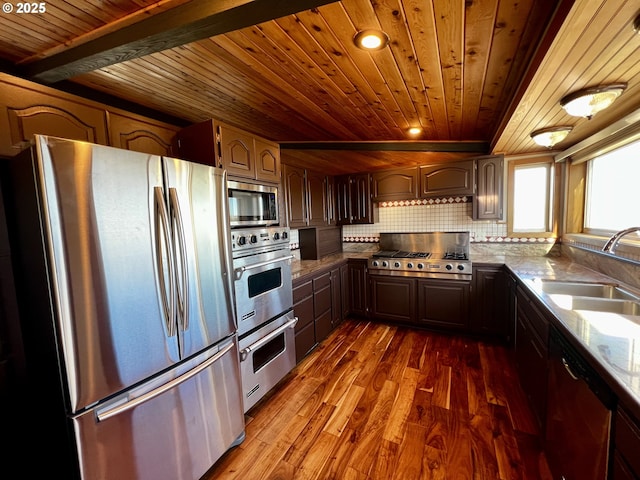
{"points": [[304, 311], [301, 291], [305, 341], [321, 281], [627, 440]]}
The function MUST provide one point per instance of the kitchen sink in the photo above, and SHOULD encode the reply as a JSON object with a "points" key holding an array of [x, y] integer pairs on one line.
{"points": [[622, 307], [587, 289]]}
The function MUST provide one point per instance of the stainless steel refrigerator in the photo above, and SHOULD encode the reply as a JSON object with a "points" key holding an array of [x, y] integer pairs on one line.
{"points": [[123, 262]]}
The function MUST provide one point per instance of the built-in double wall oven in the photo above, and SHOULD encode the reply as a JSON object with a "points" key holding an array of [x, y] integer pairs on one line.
{"points": [[264, 308]]}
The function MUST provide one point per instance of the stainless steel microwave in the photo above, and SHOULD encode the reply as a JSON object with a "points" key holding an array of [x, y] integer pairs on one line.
{"points": [[252, 205]]}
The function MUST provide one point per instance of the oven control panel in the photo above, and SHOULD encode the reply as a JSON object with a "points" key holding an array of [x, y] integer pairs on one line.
{"points": [[249, 239]]}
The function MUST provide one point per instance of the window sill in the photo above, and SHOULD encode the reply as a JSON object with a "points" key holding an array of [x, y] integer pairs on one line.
{"points": [[626, 250]]}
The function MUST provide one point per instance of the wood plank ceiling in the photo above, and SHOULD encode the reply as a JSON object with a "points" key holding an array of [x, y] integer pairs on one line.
{"points": [[476, 75]]}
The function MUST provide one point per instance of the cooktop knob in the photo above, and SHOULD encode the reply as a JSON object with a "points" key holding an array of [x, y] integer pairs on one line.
{"points": [[375, 263], [253, 239], [285, 235], [242, 240], [409, 265], [385, 263], [460, 267], [396, 264], [276, 236], [449, 266], [421, 265]]}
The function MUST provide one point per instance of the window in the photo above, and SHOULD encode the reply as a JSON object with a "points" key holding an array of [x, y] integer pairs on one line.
{"points": [[531, 197], [611, 200]]}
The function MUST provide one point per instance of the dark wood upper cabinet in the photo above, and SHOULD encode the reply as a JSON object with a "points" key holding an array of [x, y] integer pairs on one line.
{"points": [[447, 179], [488, 200], [354, 203], [242, 154], [400, 184], [316, 187], [295, 195], [141, 135]]}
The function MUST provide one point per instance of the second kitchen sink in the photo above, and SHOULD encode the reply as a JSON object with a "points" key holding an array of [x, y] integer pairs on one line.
{"points": [[622, 307], [586, 289]]}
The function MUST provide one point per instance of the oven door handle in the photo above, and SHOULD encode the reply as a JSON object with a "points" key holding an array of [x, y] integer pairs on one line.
{"points": [[240, 270], [244, 353]]}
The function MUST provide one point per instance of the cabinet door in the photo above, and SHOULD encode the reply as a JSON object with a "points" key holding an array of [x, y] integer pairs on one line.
{"points": [[134, 133], [531, 363], [322, 304], [238, 151], [316, 199], [487, 203], [267, 161], [336, 297], [447, 179], [295, 196], [401, 184], [197, 143], [345, 290], [443, 303], [360, 196], [303, 309], [490, 301], [31, 109], [343, 200], [330, 189], [358, 297], [393, 298]]}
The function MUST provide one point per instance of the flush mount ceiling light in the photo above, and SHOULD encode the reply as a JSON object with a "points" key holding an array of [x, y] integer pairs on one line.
{"points": [[589, 101], [371, 40], [548, 137], [414, 131]]}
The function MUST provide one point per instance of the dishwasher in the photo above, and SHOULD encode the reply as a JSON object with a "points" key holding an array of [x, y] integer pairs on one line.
{"points": [[579, 406]]}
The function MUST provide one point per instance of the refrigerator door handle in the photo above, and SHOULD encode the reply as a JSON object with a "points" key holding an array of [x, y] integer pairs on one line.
{"points": [[113, 410], [182, 288], [163, 243]]}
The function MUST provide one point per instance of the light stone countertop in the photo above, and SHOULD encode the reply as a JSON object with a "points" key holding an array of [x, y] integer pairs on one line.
{"points": [[609, 342]]}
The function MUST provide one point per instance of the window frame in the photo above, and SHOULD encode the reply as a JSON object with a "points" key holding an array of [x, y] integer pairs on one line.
{"points": [[552, 197]]}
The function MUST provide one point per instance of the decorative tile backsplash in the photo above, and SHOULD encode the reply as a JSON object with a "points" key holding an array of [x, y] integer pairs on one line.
{"points": [[446, 214]]}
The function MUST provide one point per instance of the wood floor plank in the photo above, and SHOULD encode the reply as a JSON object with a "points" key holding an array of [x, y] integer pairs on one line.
{"points": [[376, 401]]}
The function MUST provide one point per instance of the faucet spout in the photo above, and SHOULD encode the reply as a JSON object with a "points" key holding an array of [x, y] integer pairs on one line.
{"points": [[611, 244]]}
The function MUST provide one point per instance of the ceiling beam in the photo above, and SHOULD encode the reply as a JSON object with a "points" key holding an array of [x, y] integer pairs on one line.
{"points": [[187, 23], [392, 146]]}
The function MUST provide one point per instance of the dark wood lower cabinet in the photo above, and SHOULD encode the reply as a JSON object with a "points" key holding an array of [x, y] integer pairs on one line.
{"points": [[443, 303], [626, 446], [358, 295], [322, 305], [490, 302], [303, 309], [393, 298]]}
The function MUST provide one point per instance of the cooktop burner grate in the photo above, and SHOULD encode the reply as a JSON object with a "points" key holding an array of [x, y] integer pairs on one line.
{"points": [[400, 254]]}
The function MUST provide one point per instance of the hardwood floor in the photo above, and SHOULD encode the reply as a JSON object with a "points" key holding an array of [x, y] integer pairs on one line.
{"points": [[377, 401]]}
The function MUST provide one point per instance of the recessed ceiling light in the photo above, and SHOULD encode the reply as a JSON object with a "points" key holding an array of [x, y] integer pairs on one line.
{"points": [[414, 131], [589, 101], [548, 137], [371, 40]]}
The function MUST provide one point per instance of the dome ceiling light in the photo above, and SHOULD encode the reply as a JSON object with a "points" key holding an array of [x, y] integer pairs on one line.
{"points": [[589, 101], [548, 137], [371, 39]]}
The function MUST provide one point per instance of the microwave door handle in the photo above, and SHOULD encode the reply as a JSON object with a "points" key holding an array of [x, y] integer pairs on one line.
{"points": [[118, 408], [240, 270], [163, 239], [244, 353], [182, 283]]}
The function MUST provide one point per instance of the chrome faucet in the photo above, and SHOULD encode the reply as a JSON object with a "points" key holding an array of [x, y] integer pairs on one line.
{"points": [[611, 244]]}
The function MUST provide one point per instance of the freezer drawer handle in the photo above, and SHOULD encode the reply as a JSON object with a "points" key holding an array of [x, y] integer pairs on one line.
{"points": [[240, 270], [109, 412], [246, 351]]}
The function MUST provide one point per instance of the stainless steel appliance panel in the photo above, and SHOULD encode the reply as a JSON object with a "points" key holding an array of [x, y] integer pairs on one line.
{"points": [[174, 427], [252, 205], [197, 198], [98, 209], [263, 288], [266, 356]]}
